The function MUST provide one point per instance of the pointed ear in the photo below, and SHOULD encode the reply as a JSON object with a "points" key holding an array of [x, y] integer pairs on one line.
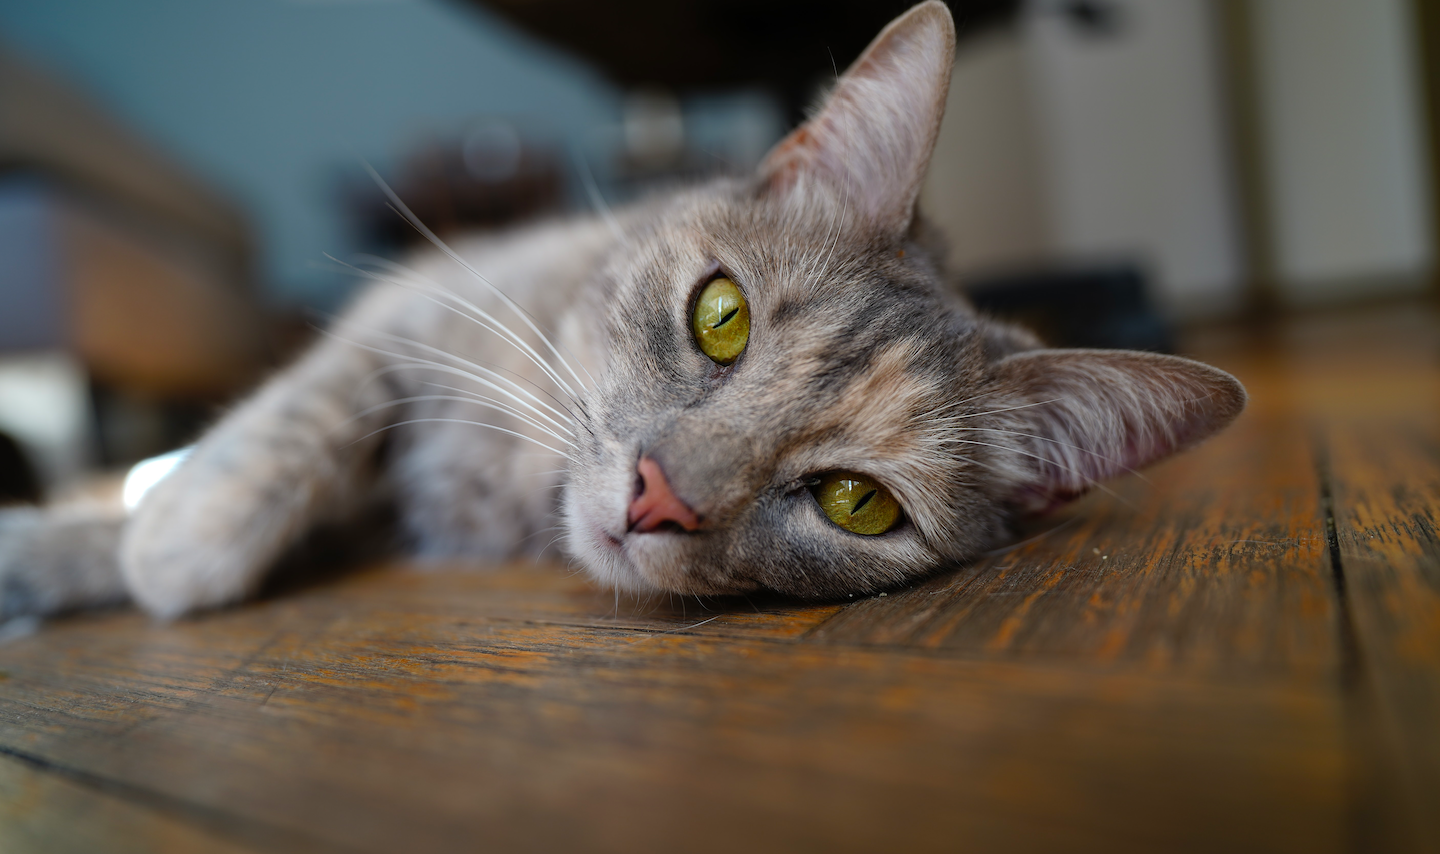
{"points": [[877, 129], [1086, 415]]}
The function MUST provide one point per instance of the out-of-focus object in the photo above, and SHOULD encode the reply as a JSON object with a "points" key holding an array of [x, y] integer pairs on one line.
{"points": [[45, 409], [18, 481], [150, 308], [1339, 140], [1094, 130], [491, 175], [114, 253], [143, 476], [1097, 305], [120, 270], [718, 44], [1251, 154]]}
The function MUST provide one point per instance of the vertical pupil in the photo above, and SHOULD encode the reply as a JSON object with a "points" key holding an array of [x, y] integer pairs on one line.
{"points": [[863, 501]]}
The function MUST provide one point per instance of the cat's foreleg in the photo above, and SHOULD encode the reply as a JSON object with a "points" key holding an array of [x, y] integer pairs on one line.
{"points": [[299, 451], [61, 558]]}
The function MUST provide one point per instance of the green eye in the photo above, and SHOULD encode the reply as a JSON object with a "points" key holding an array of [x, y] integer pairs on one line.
{"points": [[857, 503], [721, 321]]}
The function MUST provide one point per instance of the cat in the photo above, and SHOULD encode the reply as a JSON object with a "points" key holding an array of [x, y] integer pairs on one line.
{"points": [[757, 383]]}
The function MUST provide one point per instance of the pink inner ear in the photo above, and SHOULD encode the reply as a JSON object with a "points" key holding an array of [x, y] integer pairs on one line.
{"points": [[785, 159]]}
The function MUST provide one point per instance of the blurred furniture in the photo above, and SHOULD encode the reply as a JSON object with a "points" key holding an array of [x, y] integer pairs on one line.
{"points": [[491, 176], [117, 259], [1094, 305]]}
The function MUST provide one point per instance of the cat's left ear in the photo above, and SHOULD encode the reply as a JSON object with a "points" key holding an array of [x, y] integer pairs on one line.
{"points": [[877, 129], [1077, 417]]}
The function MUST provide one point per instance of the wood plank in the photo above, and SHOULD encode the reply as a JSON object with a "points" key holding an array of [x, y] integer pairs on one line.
{"points": [[383, 729], [555, 594], [41, 810], [1386, 500]]}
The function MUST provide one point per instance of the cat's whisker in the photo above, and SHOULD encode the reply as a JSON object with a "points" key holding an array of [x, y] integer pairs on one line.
{"points": [[1097, 455], [487, 404], [954, 403], [409, 278], [414, 362], [418, 364], [506, 334], [1027, 541], [541, 553], [478, 396], [467, 394], [518, 435], [845, 200], [444, 355], [454, 256], [1088, 480], [533, 534], [484, 319], [597, 201], [951, 418], [421, 364]]}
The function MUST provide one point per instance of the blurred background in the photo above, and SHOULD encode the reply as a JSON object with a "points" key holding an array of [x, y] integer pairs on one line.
{"points": [[173, 173]]}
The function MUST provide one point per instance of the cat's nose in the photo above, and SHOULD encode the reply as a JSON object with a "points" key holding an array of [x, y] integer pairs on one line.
{"points": [[657, 504]]}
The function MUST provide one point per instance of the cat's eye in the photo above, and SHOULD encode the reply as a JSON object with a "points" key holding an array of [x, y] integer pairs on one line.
{"points": [[857, 503], [721, 321]]}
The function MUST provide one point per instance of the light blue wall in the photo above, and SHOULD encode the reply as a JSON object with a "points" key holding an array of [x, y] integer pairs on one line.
{"points": [[270, 100]]}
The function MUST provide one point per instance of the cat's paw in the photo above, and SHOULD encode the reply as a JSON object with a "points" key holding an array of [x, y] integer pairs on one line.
{"points": [[196, 541]]}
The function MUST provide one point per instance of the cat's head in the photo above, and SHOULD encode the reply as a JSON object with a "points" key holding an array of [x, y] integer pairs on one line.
{"points": [[793, 400]]}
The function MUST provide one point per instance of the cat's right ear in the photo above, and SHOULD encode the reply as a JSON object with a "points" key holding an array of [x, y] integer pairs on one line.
{"points": [[876, 132]]}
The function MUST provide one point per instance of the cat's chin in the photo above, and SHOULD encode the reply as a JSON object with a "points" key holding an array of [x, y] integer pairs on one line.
{"points": [[632, 563], [605, 557]]}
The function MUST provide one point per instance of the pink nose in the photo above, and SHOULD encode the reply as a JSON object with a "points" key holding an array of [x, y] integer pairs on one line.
{"points": [[657, 504]]}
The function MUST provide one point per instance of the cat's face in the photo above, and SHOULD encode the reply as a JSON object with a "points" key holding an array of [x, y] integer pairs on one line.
{"points": [[702, 471], [854, 358]]}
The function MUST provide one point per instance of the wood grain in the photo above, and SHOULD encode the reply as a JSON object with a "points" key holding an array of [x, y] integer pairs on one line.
{"points": [[1202, 662], [1382, 464]]}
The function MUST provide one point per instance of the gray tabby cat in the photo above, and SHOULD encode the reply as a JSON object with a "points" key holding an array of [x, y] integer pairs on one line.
{"points": [[758, 384]]}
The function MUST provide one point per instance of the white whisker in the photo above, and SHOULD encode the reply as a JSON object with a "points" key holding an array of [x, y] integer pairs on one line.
{"points": [[484, 319], [596, 199], [478, 396], [443, 247], [532, 440], [1089, 481], [1100, 456], [951, 418], [444, 355], [496, 405], [416, 363]]}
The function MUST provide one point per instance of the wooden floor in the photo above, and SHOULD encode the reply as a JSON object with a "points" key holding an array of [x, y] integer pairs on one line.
{"points": [[1241, 654]]}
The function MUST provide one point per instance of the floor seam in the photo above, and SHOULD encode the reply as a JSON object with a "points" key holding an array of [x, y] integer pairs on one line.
{"points": [[263, 836]]}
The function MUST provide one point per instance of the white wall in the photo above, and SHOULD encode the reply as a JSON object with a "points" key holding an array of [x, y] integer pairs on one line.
{"points": [[1061, 145], [1134, 137], [986, 187], [1346, 179]]}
